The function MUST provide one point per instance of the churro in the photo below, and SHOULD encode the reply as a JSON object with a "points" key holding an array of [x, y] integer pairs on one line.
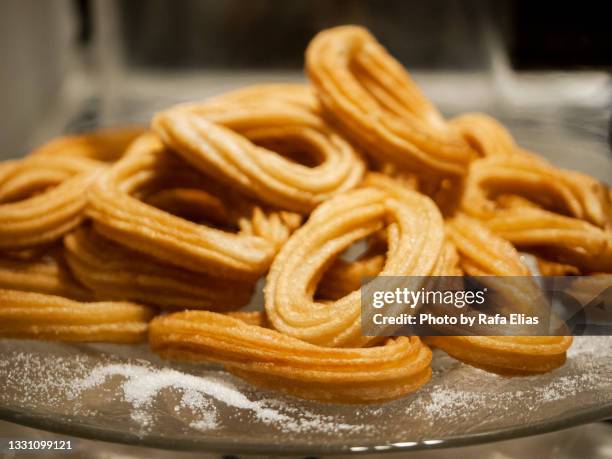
{"points": [[285, 181], [276, 361], [28, 315], [485, 254], [372, 97], [44, 272], [532, 204], [114, 272], [42, 198], [250, 144], [119, 215], [415, 236], [507, 355]]}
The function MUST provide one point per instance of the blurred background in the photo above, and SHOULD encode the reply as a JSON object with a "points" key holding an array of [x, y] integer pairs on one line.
{"points": [[75, 64]]}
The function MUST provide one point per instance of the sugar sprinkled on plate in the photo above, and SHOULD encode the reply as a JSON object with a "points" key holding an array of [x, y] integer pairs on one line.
{"points": [[140, 384], [130, 389]]}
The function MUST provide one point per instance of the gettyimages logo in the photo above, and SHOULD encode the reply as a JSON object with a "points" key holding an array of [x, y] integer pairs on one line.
{"points": [[486, 305]]}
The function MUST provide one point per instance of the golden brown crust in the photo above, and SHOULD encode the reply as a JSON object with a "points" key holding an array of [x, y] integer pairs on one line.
{"points": [[273, 360], [372, 97], [119, 215], [485, 134], [27, 315], [42, 198], [483, 253], [531, 204], [225, 139], [506, 355], [44, 272], [114, 272], [415, 236]]}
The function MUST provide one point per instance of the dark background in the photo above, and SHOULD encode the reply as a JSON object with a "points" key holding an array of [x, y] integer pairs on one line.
{"points": [[537, 35]]}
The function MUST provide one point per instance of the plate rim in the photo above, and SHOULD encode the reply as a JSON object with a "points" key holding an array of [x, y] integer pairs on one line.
{"points": [[206, 443]]}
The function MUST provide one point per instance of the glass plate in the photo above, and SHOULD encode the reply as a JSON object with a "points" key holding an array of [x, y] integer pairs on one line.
{"points": [[126, 394]]}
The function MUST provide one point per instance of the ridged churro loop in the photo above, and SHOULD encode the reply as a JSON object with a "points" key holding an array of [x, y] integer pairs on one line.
{"points": [[507, 355], [118, 207], [376, 103], [42, 198], [483, 253], [246, 216], [561, 191], [27, 315], [415, 237], [485, 134], [114, 272], [252, 145], [532, 204], [273, 360], [106, 145], [41, 273], [345, 276]]}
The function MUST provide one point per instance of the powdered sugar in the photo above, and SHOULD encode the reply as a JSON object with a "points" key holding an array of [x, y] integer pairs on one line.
{"points": [[141, 385], [593, 345], [587, 375], [131, 391]]}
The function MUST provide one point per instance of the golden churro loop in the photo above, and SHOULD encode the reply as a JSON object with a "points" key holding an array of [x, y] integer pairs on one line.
{"points": [[482, 252], [565, 192], [532, 204], [106, 145], [272, 360], [344, 276], [415, 237], [507, 355], [42, 198], [485, 134], [114, 272], [222, 139], [120, 215], [41, 273], [374, 100], [27, 315]]}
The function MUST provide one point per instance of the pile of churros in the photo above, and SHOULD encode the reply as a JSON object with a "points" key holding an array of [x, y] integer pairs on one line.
{"points": [[161, 234]]}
